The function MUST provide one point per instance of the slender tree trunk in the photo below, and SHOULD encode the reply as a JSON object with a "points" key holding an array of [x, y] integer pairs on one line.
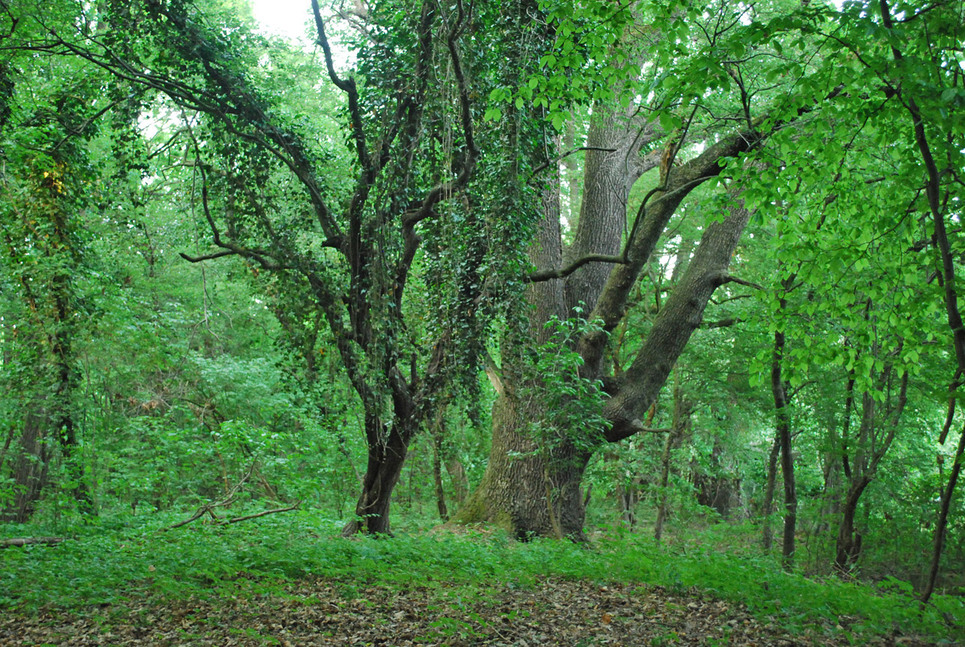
{"points": [[942, 526], [437, 438], [62, 347], [458, 479], [768, 508], [779, 391], [937, 207], [664, 484], [849, 542], [682, 411]]}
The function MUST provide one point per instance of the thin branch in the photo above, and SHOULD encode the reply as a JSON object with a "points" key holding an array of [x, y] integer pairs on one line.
{"points": [[733, 279], [260, 514], [208, 508], [639, 427], [347, 86], [542, 167], [722, 323], [537, 277]]}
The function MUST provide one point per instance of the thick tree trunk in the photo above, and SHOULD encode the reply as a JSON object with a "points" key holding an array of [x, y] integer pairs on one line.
{"points": [[526, 490], [385, 461], [30, 467], [611, 168], [639, 387], [671, 331], [680, 316]]}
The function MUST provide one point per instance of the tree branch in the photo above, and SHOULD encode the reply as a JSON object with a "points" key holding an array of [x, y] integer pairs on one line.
{"points": [[27, 541], [542, 167], [727, 278], [537, 277], [260, 514], [207, 257]]}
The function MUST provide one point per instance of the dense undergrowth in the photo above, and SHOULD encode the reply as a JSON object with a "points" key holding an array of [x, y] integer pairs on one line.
{"points": [[119, 560]]}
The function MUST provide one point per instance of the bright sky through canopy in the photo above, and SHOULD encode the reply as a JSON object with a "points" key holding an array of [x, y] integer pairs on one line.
{"points": [[283, 17]]}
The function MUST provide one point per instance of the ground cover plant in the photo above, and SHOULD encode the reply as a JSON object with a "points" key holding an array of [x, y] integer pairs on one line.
{"points": [[290, 579]]}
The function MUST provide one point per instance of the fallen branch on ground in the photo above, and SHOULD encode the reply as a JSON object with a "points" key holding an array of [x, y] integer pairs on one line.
{"points": [[24, 541], [208, 508], [260, 514]]}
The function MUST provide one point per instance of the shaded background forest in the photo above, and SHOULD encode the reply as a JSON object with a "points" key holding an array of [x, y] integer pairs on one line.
{"points": [[144, 372]]}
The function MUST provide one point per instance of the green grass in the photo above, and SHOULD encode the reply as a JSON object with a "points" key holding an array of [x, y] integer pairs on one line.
{"points": [[118, 560]]}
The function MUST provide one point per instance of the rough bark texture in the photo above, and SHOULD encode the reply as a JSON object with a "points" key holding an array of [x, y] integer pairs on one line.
{"points": [[676, 322], [29, 468], [519, 488], [524, 490], [611, 168], [502, 493]]}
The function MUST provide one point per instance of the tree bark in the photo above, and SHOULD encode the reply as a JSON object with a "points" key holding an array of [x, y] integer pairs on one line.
{"points": [[674, 325], [848, 545], [503, 492], [520, 490], [30, 468], [437, 442], [612, 165], [681, 422], [875, 436], [768, 507], [782, 415], [938, 545], [385, 461]]}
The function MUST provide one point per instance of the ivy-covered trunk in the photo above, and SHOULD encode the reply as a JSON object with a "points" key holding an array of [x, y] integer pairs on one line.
{"points": [[530, 487], [384, 465], [526, 490]]}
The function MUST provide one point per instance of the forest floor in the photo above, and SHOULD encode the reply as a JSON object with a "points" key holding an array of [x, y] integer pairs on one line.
{"points": [[292, 580], [548, 611]]}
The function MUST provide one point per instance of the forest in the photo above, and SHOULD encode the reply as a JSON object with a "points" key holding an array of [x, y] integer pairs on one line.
{"points": [[570, 322]]}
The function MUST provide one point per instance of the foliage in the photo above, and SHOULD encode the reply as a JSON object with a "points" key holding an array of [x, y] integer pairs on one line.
{"points": [[575, 403]]}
